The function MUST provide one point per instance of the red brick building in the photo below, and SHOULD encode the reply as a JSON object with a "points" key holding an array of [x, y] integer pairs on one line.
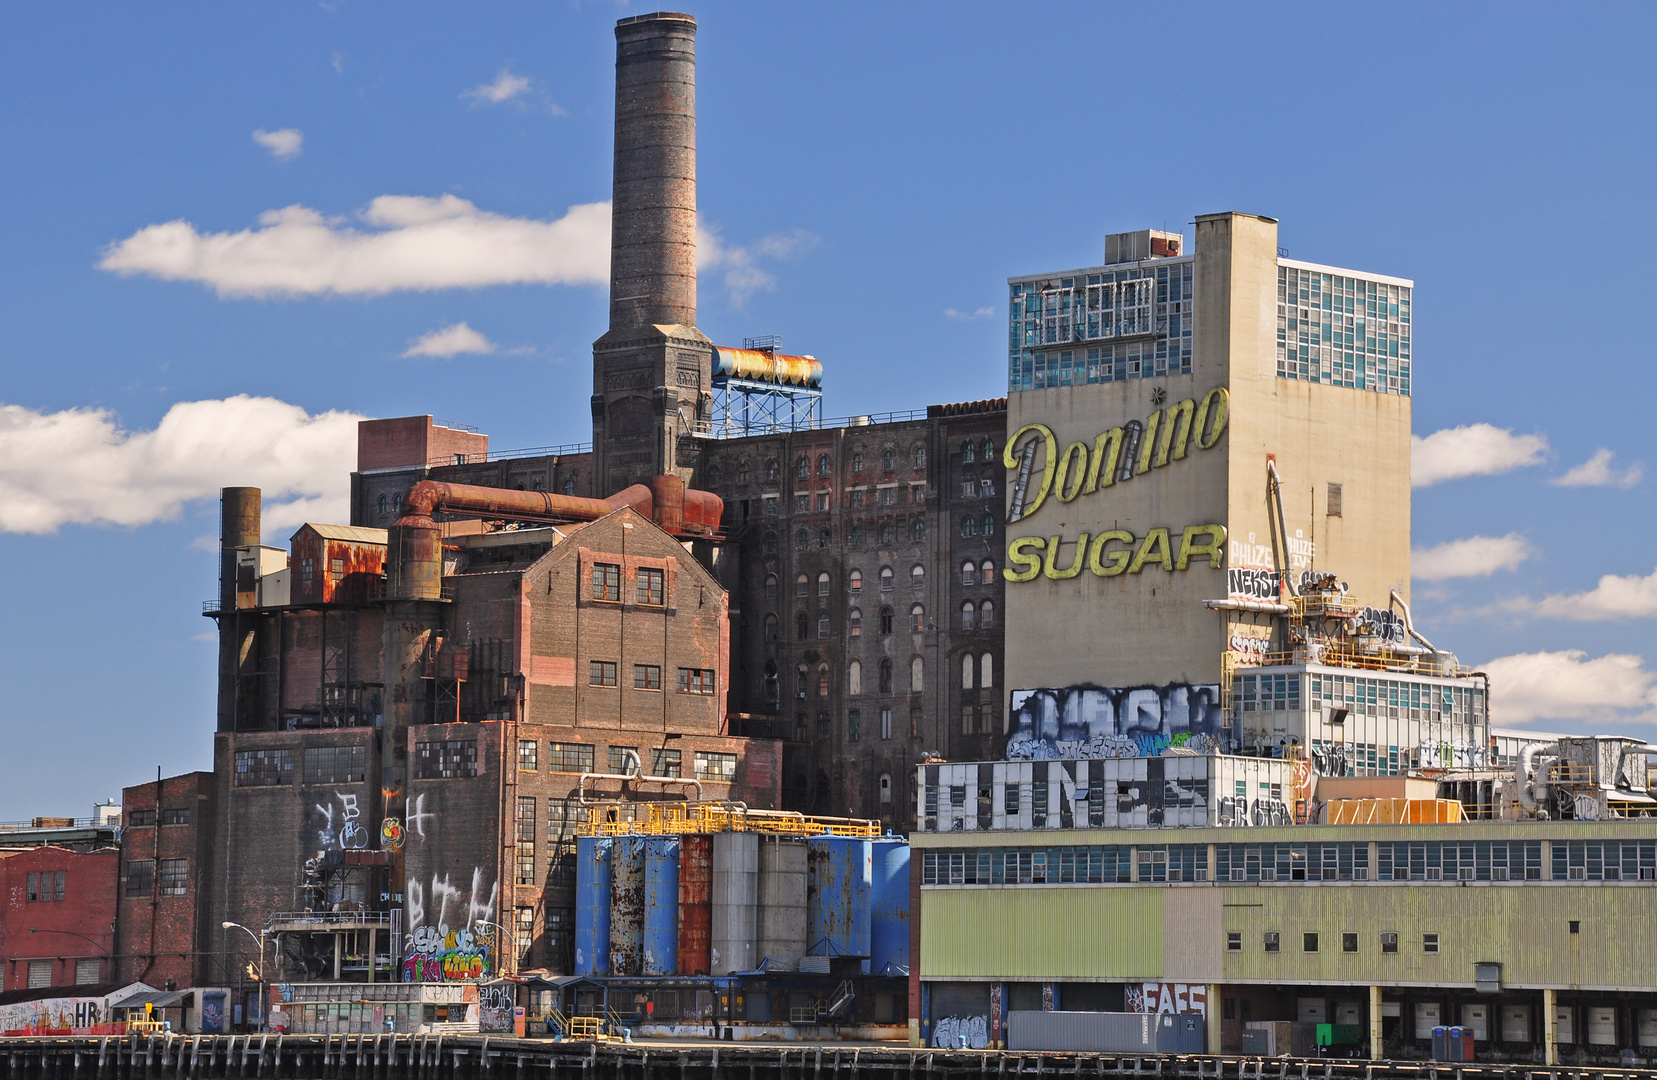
{"points": [[57, 916], [166, 846]]}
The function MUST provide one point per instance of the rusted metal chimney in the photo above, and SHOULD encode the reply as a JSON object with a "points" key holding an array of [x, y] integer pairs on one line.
{"points": [[653, 213], [238, 528]]}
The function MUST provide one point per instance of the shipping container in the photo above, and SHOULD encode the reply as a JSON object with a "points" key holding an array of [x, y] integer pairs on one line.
{"points": [[661, 905], [1105, 1032], [592, 903]]}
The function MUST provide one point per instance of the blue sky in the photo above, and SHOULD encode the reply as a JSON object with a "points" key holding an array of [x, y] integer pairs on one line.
{"points": [[873, 174]]}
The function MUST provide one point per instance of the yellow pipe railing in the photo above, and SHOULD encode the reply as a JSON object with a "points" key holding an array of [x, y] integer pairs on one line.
{"points": [[674, 819]]}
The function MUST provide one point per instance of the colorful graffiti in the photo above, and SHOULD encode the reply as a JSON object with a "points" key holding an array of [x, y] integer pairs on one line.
{"points": [[1102, 722], [391, 833], [437, 953], [955, 1032]]}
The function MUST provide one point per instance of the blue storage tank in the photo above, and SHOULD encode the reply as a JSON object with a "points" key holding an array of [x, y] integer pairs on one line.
{"points": [[592, 905], [840, 873], [889, 899], [627, 905], [661, 905]]}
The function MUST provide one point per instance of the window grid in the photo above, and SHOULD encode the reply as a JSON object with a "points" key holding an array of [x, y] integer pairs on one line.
{"points": [[1343, 331], [335, 764], [1152, 305], [570, 757]]}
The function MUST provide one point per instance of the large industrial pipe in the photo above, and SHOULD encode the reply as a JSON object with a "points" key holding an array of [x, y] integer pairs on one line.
{"points": [[238, 528], [653, 208]]}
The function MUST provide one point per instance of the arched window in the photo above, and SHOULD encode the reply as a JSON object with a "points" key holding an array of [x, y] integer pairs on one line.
{"points": [[917, 577], [384, 505], [801, 626], [802, 681], [917, 675], [801, 584], [919, 457], [885, 534], [714, 473], [986, 671], [884, 787], [823, 584], [569, 487], [801, 540], [802, 468], [854, 677], [770, 586], [885, 676], [771, 626], [854, 622], [969, 616], [822, 624], [885, 620], [822, 680], [772, 471], [969, 526], [917, 619], [770, 543], [856, 538], [772, 692], [825, 467], [742, 472], [969, 452], [969, 573], [857, 464], [854, 725], [988, 452], [888, 460], [986, 615], [917, 531], [824, 538], [855, 582], [966, 672], [885, 579], [989, 525], [987, 569]]}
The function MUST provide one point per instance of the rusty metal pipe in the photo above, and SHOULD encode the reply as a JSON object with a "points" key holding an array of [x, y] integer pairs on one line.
{"points": [[662, 499]]}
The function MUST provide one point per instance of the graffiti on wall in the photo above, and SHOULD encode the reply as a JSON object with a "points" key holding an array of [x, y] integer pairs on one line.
{"points": [[442, 944], [341, 826], [972, 1032], [56, 1016], [1102, 722], [1251, 644], [1160, 997], [1382, 623], [495, 1007], [1242, 813]]}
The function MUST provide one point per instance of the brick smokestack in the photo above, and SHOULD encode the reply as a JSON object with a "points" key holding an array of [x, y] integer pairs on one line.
{"points": [[653, 215]]}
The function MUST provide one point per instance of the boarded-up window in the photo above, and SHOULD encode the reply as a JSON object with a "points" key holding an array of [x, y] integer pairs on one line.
{"points": [[1334, 500], [40, 974], [86, 972]]}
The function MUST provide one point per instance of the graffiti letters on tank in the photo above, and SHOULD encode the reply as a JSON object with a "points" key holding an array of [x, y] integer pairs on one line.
{"points": [[1102, 722]]}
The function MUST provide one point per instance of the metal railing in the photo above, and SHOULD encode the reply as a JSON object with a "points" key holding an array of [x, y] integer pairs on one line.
{"points": [[57, 823], [323, 919], [1335, 656], [561, 450], [672, 819]]}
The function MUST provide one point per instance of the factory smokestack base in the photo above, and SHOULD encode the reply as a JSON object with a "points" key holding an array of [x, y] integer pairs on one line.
{"points": [[652, 369]]}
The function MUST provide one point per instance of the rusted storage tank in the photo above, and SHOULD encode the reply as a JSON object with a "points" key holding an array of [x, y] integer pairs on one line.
{"points": [[661, 905], [735, 902], [695, 902], [889, 903], [841, 873], [592, 905], [781, 922], [627, 905]]}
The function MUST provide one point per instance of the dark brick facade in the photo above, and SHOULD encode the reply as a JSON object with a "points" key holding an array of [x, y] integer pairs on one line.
{"points": [[167, 854]]}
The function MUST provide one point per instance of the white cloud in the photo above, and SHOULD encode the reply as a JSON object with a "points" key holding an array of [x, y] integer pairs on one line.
{"points": [[978, 313], [283, 144], [1615, 597], [413, 243], [1473, 556], [1597, 472], [79, 467], [744, 275], [450, 341], [1566, 686], [505, 87], [1471, 450]]}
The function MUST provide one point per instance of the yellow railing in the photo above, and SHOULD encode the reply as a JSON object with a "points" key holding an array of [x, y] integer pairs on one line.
{"points": [[587, 1027], [674, 819], [1328, 656]]}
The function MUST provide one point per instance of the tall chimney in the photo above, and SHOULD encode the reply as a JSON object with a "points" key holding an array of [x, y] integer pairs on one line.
{"points": [[238, 528], [653, 369], [653, 212]]}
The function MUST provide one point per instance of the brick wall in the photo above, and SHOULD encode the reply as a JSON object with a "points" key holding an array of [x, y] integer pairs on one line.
{"points": [[162, 916], [80, 926]]}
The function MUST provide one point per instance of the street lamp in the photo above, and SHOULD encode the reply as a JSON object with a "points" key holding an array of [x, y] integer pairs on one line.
{"points": [[510, 940], [259, 939], [90, 941]]}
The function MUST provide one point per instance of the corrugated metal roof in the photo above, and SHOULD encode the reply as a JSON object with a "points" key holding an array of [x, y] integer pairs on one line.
{"points": [[354, 533]]}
